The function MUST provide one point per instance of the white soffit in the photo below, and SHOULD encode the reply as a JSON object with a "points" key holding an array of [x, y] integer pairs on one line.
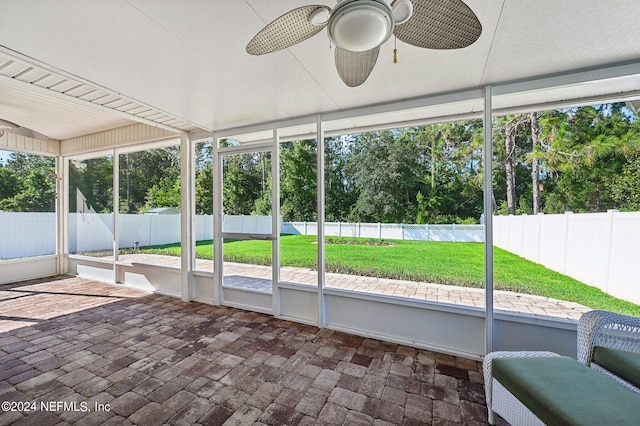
{"points": [[54, 117], [61, 106]]}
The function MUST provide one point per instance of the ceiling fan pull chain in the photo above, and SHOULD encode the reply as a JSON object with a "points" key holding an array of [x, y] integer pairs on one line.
{"points": [[395, 50]]}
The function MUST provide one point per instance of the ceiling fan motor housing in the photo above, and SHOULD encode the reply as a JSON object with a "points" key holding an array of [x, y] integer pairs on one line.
{"points": [[360, 25]]}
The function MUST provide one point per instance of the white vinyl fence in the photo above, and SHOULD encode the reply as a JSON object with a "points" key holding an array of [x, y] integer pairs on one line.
{"points": [[599, 249], [27, 234], [247, 224], [34, 234], [393, 231], [94, 231]]}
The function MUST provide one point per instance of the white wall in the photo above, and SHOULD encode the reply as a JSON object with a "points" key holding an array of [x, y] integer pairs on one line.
{"points": [[12, 142], [599, 249], [28, 268]]}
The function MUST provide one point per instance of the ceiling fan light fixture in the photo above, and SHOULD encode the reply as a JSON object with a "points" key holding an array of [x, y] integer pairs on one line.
{"points": [[360, 25]]}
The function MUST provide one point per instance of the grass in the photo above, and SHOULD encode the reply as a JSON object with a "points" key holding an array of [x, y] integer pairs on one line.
{"points": [[460, 264]]}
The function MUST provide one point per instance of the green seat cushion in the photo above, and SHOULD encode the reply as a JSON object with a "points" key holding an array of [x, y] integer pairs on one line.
{"points": [[624, 364], [561, 391]]}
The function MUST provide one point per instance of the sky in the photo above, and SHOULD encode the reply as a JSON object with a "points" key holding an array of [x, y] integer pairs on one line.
{"points": [[3, 156]]}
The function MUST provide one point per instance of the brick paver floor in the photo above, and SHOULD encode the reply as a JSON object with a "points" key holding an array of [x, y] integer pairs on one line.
{"points": [[87, 353], [237, 274]]}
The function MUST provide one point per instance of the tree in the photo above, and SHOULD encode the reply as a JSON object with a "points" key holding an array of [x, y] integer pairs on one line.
{"points": [[9, 183], [262, 204], [298, 182], [204, 178], [166, 193], [27, 183], [142, 170], [384, 168], [448, 172], [204, 191], [93, 178], [23, 164], [509, 125], [585, 155], [241, 183], [536, 137], [341, 192], [38, 194], [625, 186]]}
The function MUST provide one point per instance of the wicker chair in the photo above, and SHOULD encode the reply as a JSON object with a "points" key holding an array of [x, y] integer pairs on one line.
{"points": [[610, 330]]}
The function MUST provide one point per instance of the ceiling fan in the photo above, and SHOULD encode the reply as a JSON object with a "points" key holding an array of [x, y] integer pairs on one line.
{"points": [[358, 27], [8, 126]]}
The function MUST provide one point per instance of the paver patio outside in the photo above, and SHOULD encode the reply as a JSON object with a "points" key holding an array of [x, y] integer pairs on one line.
{"points": [[258, 277]]}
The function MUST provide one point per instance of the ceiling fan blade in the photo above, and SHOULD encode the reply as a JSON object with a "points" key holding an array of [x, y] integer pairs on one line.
{"points": [[291, 28], [10, 127], [440, 24], [7, 125], [354, 67], [23, 131]]}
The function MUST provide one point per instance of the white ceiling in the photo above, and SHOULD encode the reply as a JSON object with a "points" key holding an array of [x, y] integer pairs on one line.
{"points": [[185, 60]]}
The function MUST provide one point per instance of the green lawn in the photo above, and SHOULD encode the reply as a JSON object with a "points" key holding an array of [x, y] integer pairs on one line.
{"points": [[459, 264]]}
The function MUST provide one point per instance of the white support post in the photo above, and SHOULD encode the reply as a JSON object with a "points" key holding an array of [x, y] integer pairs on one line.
{"points": [[187, 217], [488, 218], [218, 248], [116, 213], [62, 214], [275, 223], [320, 222]]}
